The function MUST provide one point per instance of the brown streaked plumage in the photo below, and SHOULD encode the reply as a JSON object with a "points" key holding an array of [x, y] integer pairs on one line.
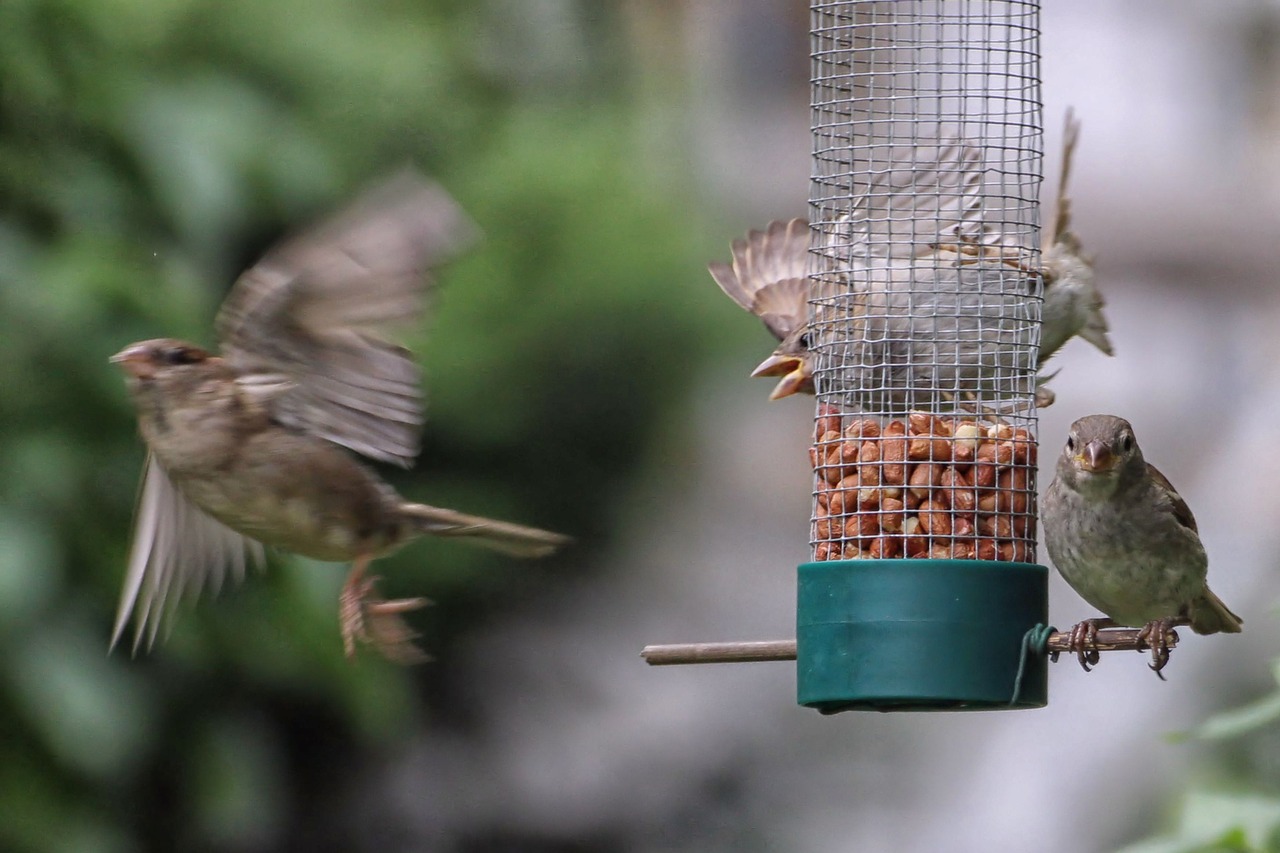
{"points": [[255, 446]]}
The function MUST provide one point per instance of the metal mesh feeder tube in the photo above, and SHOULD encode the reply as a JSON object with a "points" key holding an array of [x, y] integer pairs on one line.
{"points": [[925, 314]]}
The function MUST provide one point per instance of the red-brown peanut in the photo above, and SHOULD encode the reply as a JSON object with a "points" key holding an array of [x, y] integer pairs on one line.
{"points": [[825, 550], [950, 484], [1016, 551], [893, 453], [862, 525], [835, 502], [935, 519], [929, 448], [987, 500], [886, 548], [923, 423], [892, 515], [1011, 490], [995, 526], [862, 428], [828, 420], [923, 479]]}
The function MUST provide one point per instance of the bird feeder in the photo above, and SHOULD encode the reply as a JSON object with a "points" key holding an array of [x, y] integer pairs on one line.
{"points": [[925, 324], [922, 592]]}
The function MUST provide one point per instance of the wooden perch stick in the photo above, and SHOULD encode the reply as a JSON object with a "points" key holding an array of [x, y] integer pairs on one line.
{"points": [[1109, 640], [719, 652]]}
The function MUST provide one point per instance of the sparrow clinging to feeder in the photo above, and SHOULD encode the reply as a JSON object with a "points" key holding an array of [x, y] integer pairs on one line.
{"points": [[1126, 541], [935, 196], [255, 446]]}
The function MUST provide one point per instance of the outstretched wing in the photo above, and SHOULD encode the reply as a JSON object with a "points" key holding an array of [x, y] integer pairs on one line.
{"points": [[176, 549], [767, 275], [928, 195], [308, 326], [1061, 233]]}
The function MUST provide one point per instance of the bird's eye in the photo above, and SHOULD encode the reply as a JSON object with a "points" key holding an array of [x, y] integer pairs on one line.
{"points": [[1126, 443], [1071, 444], [804, 340], [180, 355]]}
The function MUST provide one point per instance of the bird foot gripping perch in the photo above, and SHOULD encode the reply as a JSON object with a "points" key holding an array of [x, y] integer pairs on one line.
{"points": [[1087, 638]]}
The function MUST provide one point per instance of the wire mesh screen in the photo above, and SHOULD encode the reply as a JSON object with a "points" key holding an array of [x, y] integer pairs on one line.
{"points": [[926, 290]]}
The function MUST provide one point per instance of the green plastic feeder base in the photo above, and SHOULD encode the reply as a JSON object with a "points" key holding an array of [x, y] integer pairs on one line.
{"points": [[919, 635]]}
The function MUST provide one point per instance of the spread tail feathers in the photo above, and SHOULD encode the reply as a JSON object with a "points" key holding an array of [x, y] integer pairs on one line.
{"points": [[513, 539], [1210, 616]]}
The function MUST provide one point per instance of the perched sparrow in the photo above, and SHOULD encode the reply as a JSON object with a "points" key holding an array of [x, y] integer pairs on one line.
{"points": [[914, 237], [1126, 541], [251, 447]]}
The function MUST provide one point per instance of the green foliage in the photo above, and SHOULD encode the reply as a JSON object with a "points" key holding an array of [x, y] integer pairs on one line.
{"points": [[1220, 822], [1245, 719], [149, 149], [1243, 817]]}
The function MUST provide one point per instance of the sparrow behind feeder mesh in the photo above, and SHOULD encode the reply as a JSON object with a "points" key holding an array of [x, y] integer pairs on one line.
{"points": [[920, 297], [256, 445]]}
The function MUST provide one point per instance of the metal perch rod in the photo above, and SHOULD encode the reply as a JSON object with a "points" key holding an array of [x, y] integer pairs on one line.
{"points": [[1109, 640]]}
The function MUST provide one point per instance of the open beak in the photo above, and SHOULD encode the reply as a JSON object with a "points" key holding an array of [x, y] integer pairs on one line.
{"points": [[793, 370], [1097, 457]]}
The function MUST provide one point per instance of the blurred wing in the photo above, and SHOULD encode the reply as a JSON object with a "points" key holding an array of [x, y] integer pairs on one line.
{"points": [[310, 321], [1181, 511], [767, 275], [783, 306], [1061, 233], [929, 195], [176, 548]]}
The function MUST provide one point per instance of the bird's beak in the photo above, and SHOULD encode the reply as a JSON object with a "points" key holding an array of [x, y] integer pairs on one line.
{"points": [[793, 370], [135, 360], [1097, 457]]}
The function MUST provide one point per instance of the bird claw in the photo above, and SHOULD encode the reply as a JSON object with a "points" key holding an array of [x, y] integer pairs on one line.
{"points": [[970, 249], [365, 617], [1155, 635], [1084, 643]]}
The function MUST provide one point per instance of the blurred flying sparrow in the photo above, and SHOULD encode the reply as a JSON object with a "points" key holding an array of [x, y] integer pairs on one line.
{"points": [[924, 295], [254, 446], [1125, 540]]}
